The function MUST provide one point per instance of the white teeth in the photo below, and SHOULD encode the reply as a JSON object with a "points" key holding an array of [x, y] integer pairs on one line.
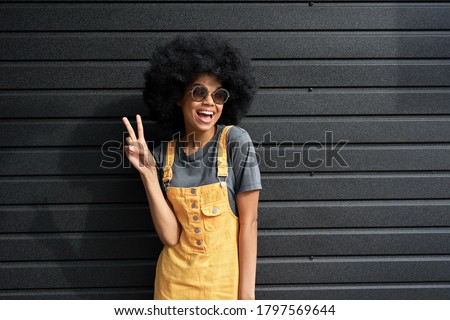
{"points": [[209, 113]]}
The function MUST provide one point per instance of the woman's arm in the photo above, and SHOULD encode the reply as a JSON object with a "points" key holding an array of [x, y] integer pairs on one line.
{"points": [[166, 224], [247, 204], [164, 220]]}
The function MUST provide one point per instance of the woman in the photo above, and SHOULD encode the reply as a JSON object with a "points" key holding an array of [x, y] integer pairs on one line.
{"points": [[202, 188]]}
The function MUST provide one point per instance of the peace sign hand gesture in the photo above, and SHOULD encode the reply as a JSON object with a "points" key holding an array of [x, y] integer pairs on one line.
{"points": [[137, 150]]}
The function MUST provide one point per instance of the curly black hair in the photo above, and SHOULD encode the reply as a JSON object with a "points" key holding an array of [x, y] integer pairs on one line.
{"points": [[175, 65]]}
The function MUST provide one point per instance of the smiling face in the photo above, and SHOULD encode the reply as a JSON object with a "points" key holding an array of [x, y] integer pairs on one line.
{"points": [[201, 116]]}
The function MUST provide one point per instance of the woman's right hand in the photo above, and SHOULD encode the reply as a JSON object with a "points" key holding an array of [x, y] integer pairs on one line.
{"points": [[137, 150]]}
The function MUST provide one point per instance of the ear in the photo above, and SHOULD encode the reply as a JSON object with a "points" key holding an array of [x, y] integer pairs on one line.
{"points": [[179, 103]]}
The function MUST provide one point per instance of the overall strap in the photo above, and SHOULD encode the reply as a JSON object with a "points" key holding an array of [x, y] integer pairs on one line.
{"points": [[222, 164], [170, 156]]}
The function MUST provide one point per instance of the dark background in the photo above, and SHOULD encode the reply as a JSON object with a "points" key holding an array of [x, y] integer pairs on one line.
{"points": [[374, 74]]}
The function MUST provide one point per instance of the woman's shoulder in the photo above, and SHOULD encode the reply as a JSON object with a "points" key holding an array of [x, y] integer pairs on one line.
{"points": [[238, 134]]}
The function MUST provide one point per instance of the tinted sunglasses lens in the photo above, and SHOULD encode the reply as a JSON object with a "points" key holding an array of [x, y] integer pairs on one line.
{"points": [[199, 93], [221, 96]]}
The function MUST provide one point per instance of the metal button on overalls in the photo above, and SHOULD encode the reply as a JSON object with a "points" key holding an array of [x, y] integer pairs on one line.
{"points": [[204, 264]]}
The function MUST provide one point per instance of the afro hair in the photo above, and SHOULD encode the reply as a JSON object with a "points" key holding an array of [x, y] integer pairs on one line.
{"points": [[175, 65]]}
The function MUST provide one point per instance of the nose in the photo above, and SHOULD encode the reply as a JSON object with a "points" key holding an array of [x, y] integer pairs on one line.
{"points": [[209, 100]]}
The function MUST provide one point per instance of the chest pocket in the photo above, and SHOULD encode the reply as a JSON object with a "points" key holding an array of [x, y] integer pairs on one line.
{"points": [[215, 214]]}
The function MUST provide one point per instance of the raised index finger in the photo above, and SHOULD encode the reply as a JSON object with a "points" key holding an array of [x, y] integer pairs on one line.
{"points": [[129, 128], [140, 127]]}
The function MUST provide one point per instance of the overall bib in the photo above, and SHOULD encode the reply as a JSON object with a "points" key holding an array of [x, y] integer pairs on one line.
{"points": [[204, 263]]}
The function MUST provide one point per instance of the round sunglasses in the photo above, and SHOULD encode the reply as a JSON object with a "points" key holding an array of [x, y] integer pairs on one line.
{"points": [[199, 93]]}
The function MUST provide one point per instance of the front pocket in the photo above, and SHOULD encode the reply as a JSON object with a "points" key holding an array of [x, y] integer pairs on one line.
{"points": [[214, 214]]}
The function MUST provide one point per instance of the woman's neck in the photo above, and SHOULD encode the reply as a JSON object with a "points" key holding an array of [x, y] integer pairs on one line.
{"points": [[193, 141]]}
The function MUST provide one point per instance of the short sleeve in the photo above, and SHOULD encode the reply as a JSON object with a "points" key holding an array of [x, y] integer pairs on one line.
{"points": [[244, 160]]}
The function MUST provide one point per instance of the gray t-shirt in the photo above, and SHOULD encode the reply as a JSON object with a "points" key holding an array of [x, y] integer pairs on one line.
{"points": [[200, 168]]}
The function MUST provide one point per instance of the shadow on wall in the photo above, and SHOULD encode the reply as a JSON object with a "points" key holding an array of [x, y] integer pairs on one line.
{"points": [[98, 240]]}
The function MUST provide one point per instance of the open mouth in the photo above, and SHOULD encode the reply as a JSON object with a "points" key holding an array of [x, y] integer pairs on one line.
{"points": [[205, 116]]}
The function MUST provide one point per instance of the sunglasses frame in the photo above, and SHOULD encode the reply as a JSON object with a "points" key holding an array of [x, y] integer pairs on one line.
{"points": [[208, 93]]}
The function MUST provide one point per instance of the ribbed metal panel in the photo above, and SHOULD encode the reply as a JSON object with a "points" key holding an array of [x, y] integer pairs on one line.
{"points": [[101, 103], [223, 16], [298, 243], [292, 187], [20, 161], [138, 45], [277, 73], [369, 221]]}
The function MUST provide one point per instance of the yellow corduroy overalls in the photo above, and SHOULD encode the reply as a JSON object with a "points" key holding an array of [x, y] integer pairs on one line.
{"points": [[204, 263]]}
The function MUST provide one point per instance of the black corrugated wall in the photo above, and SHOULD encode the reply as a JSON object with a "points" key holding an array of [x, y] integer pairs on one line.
{"points": [[358, 89]]}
